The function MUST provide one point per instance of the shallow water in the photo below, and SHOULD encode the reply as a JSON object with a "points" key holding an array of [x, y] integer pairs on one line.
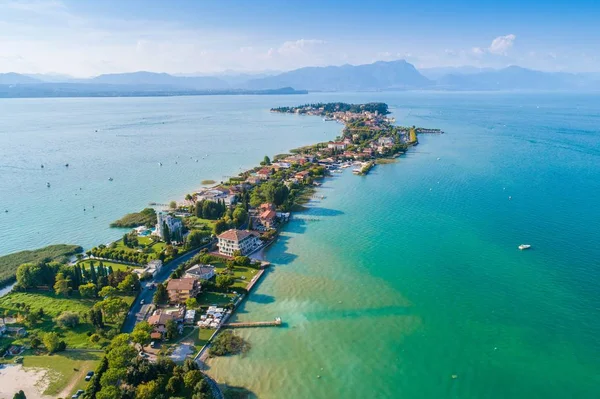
{"points": [[411, 285]]}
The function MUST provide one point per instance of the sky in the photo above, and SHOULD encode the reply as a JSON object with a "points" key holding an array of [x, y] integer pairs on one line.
{"points": [[85, 38]]}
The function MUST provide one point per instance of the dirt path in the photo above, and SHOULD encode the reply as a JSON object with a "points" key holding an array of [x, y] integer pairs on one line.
{"points": [[66, 392]]}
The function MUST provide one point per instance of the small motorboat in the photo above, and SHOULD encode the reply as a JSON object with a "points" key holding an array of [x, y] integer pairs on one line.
{"points": [[48, 184], [524, 246], [110, 179], [66, 165]]}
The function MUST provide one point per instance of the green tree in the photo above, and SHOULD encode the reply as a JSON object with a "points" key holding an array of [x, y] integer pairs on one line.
{"points": [[67, 319], [141, 333], [266, 160], [87, 290], [220, 226], [107, 292], [35, 342], [130, 283], [240, 215], [51, 341], [191, 303], [109, 392], [96, 318], [192, 378], [166, 233], [224, 281], [173, 204], [170, 329], [174, 385], [62, 285], [148, 390], [161, 295], [113, 307], [20, 395]]}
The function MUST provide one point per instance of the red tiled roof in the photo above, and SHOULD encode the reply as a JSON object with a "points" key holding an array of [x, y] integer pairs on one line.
{"points": [[269, 214], [160, 319], [181, 284], [235, 235]]}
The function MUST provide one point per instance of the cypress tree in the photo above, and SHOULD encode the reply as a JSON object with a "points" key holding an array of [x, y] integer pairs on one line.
{"points": [[93, 277], [166, 233], [110, 270]]}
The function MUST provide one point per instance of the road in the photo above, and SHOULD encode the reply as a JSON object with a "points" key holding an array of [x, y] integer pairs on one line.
{"points": [[147, 294]]}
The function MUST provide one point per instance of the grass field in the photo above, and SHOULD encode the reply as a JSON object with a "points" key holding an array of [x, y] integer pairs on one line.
{"points": [[65, 369], [214, 298], [242, 274], [106, 263], [53, 305]]}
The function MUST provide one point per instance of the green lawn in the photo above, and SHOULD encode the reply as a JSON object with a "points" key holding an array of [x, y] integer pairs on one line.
{"points": [[202, 337], [243, 275], [53, 305], [64, 368], [144, 240], [214, 298], [198, 223], [106, 263]]}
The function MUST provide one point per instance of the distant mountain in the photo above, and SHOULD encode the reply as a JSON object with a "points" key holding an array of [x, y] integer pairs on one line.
{"points": [[516, 78], [12, 78], [438, 72], [377, 76], [164, 79], [53, 78]]}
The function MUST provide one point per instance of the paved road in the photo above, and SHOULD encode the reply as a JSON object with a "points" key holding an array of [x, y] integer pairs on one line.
{"points": [[147, 294]]}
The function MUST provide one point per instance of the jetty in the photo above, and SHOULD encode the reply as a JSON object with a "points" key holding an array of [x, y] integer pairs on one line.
{"points": [[274, 323]]}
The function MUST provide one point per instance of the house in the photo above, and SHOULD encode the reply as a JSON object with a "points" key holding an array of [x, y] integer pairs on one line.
{"points": [[238, 240], [281, 165], [267, 218], [217, 194], [200, 272], [253, 180], [267, 206], [300, 176], [385, 141], [181, 289], [264, 173], [337, 145], [347, 141], [367, 152], [173, 225], [158, 321]]}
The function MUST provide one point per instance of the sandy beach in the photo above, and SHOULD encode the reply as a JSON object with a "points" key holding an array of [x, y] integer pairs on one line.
{"points": [[15, 377]]}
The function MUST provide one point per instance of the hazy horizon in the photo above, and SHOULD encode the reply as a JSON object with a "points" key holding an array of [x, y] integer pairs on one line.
{"points": [[85, 38]]}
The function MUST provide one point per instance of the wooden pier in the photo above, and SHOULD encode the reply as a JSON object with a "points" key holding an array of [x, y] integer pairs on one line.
{"points": [[275, 323]]}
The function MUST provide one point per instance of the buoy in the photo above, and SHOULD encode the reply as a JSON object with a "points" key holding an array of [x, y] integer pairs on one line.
{"points": [[454, 376], [509, 197]]}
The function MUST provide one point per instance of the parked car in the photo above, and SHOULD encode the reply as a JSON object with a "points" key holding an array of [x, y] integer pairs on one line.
{"points": [[89, 376], [142, 302], [77, 394], [153, 344]]}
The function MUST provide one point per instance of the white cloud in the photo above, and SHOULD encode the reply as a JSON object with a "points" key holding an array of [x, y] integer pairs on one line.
{"points": [[502, 44]]}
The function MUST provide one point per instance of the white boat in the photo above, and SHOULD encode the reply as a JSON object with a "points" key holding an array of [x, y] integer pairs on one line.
{"points": [[524, 246]]}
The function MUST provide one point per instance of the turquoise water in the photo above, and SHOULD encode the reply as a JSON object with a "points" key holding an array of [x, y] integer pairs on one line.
{"points": [[126, 138], [412, 274]]}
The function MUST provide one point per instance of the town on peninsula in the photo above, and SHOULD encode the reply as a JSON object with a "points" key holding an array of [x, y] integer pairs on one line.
{"points": [[146, 312]]}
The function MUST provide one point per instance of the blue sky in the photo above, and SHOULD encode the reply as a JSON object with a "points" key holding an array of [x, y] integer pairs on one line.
{"points": [[90, 37]]}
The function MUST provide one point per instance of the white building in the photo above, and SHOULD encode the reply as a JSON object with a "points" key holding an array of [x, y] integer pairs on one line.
{"points": [[217, 194], [337, 146], [174, 225], [200, 272], [238, 240]]}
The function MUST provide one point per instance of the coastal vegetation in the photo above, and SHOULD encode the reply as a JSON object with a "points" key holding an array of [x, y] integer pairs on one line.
{"points": [[123, 374], [10, 263], [380, 108], [207, 182], [146, 217], [227, 343]]}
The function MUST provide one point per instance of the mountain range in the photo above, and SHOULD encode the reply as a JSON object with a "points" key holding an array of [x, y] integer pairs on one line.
{"points": [[378, 76]]}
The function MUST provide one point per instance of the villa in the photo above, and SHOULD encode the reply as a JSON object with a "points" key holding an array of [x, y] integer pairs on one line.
{"points": [[234, 240], [174, 225], [267, 218], [159, 322], [181, 289], [216, 194], [200, 272], [300, 176], [336, 145], [264, 173]]}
